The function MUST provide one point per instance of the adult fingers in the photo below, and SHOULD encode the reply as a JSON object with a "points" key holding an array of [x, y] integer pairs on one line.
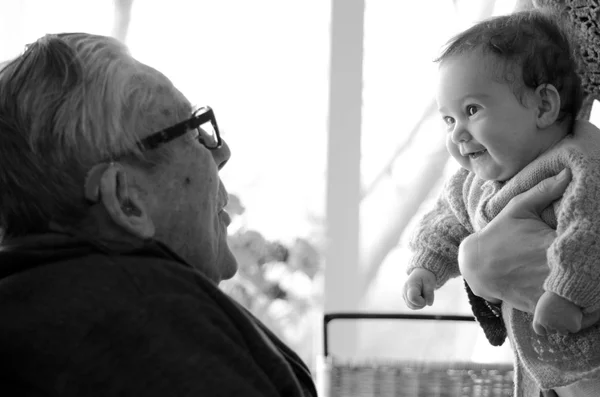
{"points": [[536, 199], [590, 319], [539, 328]]}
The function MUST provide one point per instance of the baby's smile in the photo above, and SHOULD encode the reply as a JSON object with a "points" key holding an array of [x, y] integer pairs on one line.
{"points": [[478, 154]]}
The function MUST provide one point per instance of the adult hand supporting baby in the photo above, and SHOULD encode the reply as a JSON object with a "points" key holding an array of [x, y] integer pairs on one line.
{"points": [[506, 260]]}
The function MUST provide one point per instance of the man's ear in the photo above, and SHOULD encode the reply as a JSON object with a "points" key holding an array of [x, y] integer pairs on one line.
{"points": [[547, 102], [122, 202]]}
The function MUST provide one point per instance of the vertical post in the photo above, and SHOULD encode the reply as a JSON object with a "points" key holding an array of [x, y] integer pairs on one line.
{"points": [[342, 288], [122, 18]]}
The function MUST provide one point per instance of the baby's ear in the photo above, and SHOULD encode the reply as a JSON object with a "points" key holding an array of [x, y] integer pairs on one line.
{"points": [[547, 103]]}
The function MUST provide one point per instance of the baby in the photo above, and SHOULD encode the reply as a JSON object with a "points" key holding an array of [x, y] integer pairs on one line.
{"points": [[508, 94]]}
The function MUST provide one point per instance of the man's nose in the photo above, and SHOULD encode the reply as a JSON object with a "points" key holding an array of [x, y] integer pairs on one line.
{"points": [[222, 155]]}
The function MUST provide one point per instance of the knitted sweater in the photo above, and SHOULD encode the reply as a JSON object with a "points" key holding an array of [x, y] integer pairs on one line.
{"points": [[468, 204]]}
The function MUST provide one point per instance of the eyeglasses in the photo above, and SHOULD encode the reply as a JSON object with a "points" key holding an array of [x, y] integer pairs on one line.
{"points": [[202, 120]]}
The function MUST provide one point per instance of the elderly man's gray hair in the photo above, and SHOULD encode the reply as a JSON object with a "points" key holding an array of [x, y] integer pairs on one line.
{"points": [[69, 101]]}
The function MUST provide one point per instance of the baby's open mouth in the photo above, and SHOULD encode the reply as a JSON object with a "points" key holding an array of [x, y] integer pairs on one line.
{"points": [[475, 155]]}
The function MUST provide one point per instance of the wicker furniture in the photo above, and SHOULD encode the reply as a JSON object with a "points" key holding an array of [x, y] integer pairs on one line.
{"points": [[408, 378]]}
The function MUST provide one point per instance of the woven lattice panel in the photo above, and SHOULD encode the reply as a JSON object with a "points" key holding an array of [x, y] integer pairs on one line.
{"points": [[409, 379], [582, 18]]}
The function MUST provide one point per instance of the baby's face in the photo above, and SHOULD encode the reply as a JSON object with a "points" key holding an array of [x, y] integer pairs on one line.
{"points": [[489, 131]]}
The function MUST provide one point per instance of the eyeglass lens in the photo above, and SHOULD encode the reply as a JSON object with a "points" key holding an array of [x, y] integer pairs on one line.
{"points": [[207, 135]]}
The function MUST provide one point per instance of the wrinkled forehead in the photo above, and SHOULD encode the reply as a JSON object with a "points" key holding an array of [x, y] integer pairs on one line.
{"points": [[152, 94], [168, 98]]}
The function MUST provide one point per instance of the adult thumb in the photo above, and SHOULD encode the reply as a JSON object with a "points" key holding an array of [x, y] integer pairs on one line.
{"points": [[536, 199], [590, 319]]}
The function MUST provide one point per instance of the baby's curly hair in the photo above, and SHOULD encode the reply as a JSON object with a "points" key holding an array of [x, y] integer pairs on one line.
{"points": [[532, 48]]}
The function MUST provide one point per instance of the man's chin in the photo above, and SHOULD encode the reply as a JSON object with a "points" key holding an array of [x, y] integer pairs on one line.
{"points": [[228, 265]]}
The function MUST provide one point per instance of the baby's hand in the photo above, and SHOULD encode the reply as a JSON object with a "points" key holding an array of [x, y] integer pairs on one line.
{"points": [[553, 313], [418, 289]]}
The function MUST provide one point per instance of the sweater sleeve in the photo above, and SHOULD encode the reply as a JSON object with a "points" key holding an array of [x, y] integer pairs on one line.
{"points": [[439, 233], [574, 257]]}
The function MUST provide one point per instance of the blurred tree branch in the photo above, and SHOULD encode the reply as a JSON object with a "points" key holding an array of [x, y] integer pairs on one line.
{"points": [[122, 13]]}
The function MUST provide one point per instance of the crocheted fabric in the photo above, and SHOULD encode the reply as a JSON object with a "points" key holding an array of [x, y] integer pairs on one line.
{"points": [[582, 19]]}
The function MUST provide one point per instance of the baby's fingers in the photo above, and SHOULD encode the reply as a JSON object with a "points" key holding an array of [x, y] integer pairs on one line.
{"points": [[428, 293], [414, 299]]}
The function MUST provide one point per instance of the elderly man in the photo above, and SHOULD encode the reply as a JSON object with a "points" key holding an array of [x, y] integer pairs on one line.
{"points": [[114, 237]]}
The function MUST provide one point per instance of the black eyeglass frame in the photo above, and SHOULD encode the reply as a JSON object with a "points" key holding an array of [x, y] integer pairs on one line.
{"points": [[199, 117]]}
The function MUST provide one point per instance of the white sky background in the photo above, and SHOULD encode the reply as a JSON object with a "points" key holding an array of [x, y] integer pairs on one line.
{"points": [[262, 65]]}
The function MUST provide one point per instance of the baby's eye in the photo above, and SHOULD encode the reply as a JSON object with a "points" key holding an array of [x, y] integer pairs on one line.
{"points": [[448, 120], [471, 110]]}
